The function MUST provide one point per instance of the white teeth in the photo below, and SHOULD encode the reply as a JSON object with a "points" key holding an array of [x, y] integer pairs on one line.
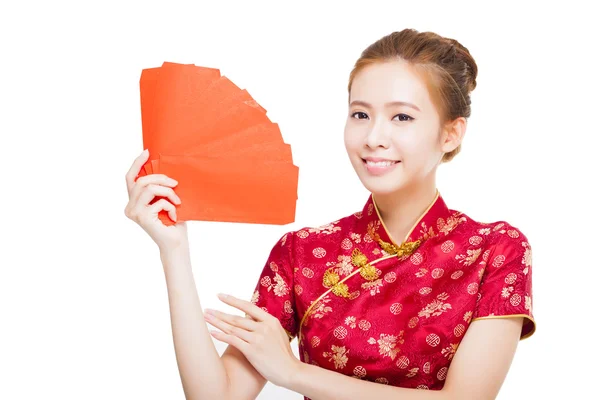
{"points": [[381, 163]]}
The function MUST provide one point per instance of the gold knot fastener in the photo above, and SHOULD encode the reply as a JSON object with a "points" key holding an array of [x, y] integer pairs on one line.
{"points": [[367, 271], [406, 248], [332, 280]]}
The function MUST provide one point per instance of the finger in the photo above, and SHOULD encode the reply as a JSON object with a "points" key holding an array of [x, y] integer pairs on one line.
{"points": [[156, 179], [250, 309], [153, 190], [135, 168], [159, 179], [228, 328], [163, 204], [233, 320], [232, 340]]}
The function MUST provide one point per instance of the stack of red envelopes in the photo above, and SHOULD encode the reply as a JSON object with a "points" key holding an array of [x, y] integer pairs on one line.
{"points": [[229, 159]]}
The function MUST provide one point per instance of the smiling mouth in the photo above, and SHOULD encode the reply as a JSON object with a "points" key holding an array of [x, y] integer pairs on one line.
{"points": [[386, 163]]}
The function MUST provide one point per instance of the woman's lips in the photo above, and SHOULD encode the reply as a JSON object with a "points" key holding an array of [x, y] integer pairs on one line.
{"points": [[380, 167]]}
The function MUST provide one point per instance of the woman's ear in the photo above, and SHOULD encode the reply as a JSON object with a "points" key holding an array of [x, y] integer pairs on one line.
{"points": [[453, 134]]}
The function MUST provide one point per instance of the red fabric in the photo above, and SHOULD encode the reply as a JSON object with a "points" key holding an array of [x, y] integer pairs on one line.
{"points": [[403, 326]]}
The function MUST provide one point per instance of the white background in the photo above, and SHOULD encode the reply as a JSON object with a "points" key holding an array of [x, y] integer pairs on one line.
{"points": [[83, 303]]}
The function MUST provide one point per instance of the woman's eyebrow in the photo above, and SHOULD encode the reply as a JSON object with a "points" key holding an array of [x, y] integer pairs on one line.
{"points": [[391, 103]]}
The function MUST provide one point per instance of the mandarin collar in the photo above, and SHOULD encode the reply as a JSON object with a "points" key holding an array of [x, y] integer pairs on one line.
{"points": [[437, 218]]}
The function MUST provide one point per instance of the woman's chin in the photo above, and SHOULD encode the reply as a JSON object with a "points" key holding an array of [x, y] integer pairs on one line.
{"points": [[382, 186]]}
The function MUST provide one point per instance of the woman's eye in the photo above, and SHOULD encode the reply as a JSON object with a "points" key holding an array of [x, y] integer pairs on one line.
{"points": [[358, 112], [408, 118]]}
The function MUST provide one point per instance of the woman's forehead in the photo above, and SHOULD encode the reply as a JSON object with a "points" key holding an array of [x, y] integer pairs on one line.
{"points": [[382, 83]]}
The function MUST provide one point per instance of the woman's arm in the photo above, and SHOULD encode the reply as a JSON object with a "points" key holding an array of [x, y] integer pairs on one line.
{"points": [[204, 375], [477, 371]]}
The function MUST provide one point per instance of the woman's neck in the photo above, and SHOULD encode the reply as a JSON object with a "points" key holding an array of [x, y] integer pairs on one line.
{"points": [[401, 210]]}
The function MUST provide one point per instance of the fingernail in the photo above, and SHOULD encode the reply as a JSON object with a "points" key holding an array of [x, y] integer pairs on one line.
{"points": [[222, 295]]}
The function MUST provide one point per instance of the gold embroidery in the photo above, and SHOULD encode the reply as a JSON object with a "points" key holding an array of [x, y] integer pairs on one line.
{"points": [[369, 272], [388, 344], [322, 307], [341, 289], [358, 258], [387, 247], [332, 280], [405, 249], [339, 355], [436, 307]]}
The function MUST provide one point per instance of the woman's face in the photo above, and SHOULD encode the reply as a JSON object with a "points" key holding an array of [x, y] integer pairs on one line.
{"points": [[392, 146]]}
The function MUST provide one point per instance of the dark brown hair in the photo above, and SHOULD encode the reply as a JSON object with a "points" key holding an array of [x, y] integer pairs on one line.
{"points": [[446, 66]]}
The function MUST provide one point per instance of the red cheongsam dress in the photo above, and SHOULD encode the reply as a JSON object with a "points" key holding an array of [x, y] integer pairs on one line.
{"points": [[390, 313]]}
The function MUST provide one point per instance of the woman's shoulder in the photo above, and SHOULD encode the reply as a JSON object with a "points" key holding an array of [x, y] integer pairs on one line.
{"points": [[493, 231], [500, 239], [332, 231]]}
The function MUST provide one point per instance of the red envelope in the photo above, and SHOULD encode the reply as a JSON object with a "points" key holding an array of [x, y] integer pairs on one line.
{"points": [[229, 158]]}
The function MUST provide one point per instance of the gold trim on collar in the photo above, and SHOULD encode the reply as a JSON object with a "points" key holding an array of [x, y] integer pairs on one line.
{"points": [[437, 194]]}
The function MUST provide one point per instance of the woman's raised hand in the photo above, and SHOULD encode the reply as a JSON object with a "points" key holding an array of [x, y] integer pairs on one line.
{"points": [[138, 209]]}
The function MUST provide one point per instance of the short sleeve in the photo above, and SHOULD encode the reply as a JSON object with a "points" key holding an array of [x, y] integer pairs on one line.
{"points": [[274, 291], [505, 290]]}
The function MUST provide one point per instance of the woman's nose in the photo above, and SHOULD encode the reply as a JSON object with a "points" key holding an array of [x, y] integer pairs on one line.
{"points": [[377, 137]]}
